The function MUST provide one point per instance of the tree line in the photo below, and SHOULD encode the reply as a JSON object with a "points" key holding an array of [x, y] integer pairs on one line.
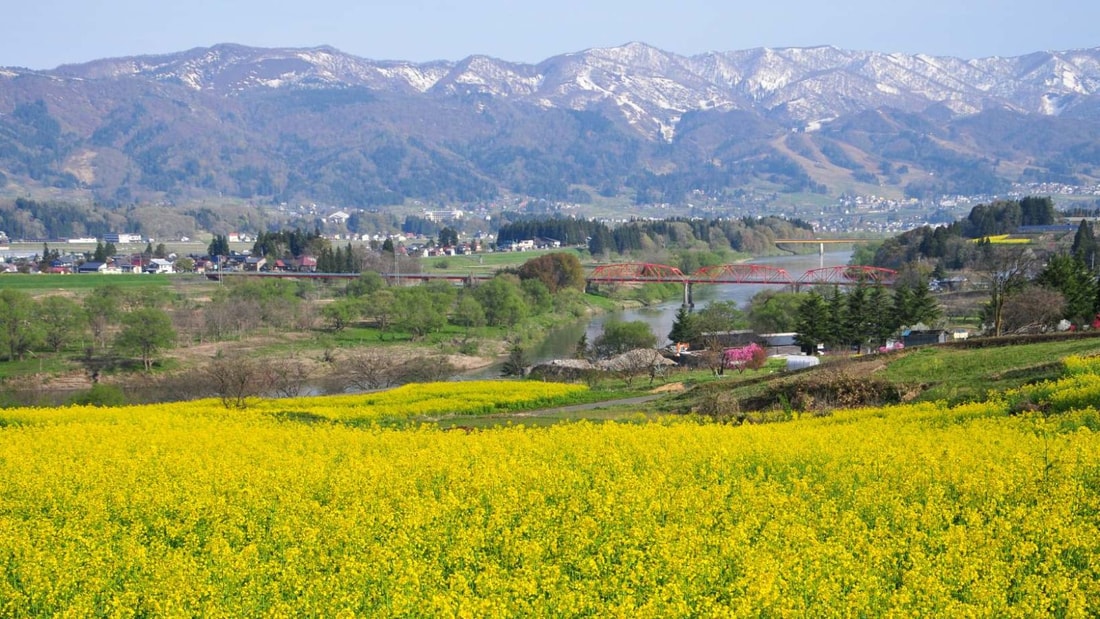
{"points": [[951, 245], [108, 320], [864, 316], [745, 234], [1031, 288]]}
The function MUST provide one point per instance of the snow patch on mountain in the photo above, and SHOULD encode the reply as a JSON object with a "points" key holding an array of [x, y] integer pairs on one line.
{"points": [[650, 87]]}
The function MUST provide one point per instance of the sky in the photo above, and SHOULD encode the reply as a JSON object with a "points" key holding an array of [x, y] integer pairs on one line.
{"points": [[43, 34]]}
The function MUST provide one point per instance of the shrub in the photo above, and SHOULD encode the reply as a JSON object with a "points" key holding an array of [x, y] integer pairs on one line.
{"points": [[100, 395]]}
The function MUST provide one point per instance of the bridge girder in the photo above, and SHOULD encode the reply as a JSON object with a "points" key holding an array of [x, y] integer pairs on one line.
{"points": [[848, 275], [640, 271], [741, 274]]}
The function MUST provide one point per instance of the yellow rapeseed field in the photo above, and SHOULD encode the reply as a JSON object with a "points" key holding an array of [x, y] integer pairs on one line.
{"points": [[987, 510], [1004, 239]]}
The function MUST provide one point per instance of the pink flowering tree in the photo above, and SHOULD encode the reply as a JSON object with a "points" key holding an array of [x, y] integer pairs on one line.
{"points": [[751, 357]]}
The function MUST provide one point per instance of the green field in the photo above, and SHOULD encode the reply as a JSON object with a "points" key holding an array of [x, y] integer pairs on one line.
{"points": [[40, 283]]}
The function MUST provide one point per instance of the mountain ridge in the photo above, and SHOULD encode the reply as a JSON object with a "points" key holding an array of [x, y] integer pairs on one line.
{"points": [[300, 122], [763, 76]]}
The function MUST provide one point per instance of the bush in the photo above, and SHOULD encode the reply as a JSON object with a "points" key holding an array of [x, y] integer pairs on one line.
{"points": [[99, 395]]}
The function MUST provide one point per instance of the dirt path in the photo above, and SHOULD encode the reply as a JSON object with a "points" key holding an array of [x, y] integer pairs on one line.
{"points": [[576, 408]]}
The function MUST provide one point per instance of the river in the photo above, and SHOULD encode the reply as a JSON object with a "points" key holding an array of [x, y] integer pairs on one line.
{"points": [[560, 342]]}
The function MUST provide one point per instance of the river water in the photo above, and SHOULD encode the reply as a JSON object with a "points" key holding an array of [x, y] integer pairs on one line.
{"points": [[560, 342]]}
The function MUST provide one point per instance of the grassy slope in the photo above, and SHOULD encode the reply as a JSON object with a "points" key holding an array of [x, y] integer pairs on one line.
{"points": [[949, 373], [962, 373]]}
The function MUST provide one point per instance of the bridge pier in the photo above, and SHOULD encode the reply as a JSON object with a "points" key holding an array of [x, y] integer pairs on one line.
{"points": [[689, 300]]}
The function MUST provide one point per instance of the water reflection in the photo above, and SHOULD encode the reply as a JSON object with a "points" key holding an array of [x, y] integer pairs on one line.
{"points": [[660, 317]]}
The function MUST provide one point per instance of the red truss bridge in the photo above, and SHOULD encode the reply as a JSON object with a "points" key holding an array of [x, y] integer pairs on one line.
{"points": [[635, 272], [646, 273], [740, 274], [848, 275]]}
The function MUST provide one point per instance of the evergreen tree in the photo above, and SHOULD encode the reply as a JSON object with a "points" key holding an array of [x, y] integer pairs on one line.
{"points": [[100, 253], [517, 362], [813, 323], [859, 320], [220, 246], [901, 309], [448, 237], [336, 260], [1084, 244], [601, 243], [349, 265], [915, 304], [923, 307], [684, 327], [48, 256], [880, 321], [837, 333], [1077, 283]]}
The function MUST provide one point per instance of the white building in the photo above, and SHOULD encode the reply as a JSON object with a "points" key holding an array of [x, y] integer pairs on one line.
{"points": [[158, 265]]}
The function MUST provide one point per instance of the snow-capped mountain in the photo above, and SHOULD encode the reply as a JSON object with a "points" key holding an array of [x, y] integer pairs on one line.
{"points": [[652, 88], [631, 120]]}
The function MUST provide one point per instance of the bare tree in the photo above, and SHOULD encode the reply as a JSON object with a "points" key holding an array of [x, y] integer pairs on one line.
{"points": [[189, 324], [1004, 271], [235, 378], [231, 318], [634, 363], [1034, 309], [290, 376], [367, 369], [425, 370]]}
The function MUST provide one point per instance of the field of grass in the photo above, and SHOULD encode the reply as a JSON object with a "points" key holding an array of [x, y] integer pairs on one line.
{"points": [[983, 509], [43, 283], [963, 374]]}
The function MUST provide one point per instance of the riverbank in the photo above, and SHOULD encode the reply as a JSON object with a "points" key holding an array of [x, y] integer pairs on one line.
{"points": [[316, 351]]}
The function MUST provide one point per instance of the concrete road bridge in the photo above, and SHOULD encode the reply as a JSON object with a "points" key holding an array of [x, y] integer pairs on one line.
{"points": [[821, 243]]}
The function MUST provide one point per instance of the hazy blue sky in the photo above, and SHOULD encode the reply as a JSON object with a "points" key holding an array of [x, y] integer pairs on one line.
{"points": [[42, 34]]}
